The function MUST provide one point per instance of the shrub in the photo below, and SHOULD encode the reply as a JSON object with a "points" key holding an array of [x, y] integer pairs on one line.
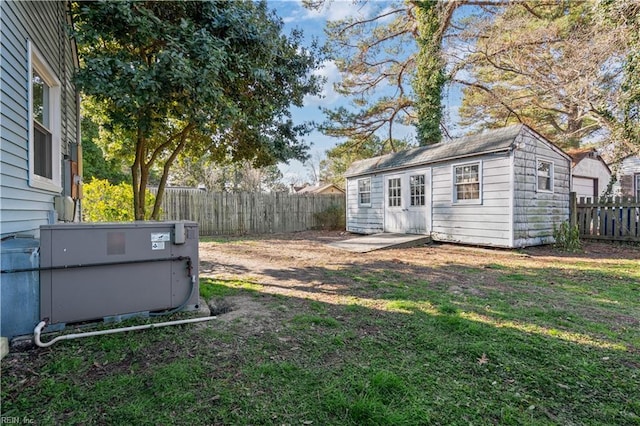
{"points": [[330, 219], [567, 237], [103, 202]]}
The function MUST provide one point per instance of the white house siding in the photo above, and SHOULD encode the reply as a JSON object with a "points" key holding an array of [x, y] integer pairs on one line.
{"points": [[584, 174], [365, 220], [487, 224], [23, 208], [627, 171], [536, 213]]}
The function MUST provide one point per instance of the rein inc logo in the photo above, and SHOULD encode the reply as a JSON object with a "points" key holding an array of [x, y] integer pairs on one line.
{"points": [[16, 420]]}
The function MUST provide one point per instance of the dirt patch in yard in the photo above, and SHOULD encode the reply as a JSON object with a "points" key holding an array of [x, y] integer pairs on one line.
{"points": [[302, 266], [303, 263]]}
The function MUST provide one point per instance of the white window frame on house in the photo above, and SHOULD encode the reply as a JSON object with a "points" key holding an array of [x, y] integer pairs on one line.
{"points": [[417, 190], [52, 108], [457, 185], [364, 192], [550, 176], [637, 188], [394, 195]]}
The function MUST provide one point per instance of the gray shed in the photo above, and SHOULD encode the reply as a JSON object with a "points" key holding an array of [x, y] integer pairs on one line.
{"points": [[504, 188]]}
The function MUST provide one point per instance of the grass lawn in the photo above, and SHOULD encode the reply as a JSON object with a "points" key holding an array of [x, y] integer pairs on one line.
{"points": [[444, 336]]}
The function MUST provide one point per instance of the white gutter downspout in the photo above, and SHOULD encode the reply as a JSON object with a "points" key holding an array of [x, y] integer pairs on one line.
{"points": [[38, 330]]}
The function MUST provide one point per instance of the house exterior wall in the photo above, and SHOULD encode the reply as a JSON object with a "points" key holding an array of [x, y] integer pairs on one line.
{"points": [[365, 219], [487, 222], [536, 212], [41, 25], [628, 181], [585, 172]]}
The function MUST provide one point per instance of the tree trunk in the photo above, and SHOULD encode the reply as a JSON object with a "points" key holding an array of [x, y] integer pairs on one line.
{"points": [[184, 134], [136, 169]]}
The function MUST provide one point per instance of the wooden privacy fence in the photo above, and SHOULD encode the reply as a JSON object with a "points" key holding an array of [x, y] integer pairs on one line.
{"points": [[222, 213], [606, 219]]}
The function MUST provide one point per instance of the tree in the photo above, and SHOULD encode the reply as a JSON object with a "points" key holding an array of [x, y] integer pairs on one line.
{"points": [[545, 64], [625, 17], [339, 158], [376, 56], [239, 176], [432, 19], [193, 78]]}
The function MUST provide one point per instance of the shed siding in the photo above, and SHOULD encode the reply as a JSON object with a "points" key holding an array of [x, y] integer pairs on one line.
{"points": [[484, 224], [365, 220], [23, 208], [536, 213]]}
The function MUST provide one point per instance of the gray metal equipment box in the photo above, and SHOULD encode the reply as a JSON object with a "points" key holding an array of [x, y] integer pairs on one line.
{"points": [[95, 271], [19, 294]]}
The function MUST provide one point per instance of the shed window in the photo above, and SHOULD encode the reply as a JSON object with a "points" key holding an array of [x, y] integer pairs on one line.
{"points": [[637, 191], [44, 137], [466, 182], [364, 192], [395, 192], [416, 186], [545, 176]]}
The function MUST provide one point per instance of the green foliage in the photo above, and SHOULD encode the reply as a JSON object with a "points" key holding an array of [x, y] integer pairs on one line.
{"points": [[567, 237], [104, 202], [94, 163], [339, 158], [176, 79], [331, 219], [430, 74]]}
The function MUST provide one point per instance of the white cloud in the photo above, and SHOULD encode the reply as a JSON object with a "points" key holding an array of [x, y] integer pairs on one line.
{"points": [[334, 10]]}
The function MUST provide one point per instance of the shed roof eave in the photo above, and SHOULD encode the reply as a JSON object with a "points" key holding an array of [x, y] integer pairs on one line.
{"points": [[428, 163]]}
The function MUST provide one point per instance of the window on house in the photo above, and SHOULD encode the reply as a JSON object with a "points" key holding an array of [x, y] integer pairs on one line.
{"points": [[364, 192], [416, 187], [466, 182], [395, 194], [41, 127], [545, 176], [44, 137], [637, 191]]}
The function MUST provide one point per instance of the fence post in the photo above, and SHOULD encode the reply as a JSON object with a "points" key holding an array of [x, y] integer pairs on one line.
{"points": [[573, 209]]}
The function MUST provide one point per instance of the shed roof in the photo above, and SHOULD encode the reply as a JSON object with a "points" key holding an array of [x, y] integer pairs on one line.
{"points": [[579, 154], [497, 140]]}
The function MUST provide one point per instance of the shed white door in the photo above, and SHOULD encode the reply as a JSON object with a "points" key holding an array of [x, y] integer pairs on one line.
{"points": [[406, 202]]}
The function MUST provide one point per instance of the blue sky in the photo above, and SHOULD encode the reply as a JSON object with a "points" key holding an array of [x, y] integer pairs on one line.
{"points": [[312, 24]]}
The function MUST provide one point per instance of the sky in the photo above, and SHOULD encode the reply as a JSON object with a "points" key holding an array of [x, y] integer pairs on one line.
{"points": [[312, 23]]}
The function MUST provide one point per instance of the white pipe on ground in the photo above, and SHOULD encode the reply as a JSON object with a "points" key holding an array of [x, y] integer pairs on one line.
{"points": [[38, 330]]}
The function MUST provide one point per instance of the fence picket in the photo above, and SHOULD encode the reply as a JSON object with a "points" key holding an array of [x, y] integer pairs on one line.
{"points": [[608, 218], [247, 213]]}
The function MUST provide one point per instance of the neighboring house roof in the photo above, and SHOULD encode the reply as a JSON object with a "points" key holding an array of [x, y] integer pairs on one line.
{"points": [[318, 189], [489, 141], [579, 154]]}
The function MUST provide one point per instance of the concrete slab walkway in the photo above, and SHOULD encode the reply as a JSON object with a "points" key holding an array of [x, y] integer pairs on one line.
{"points": [[380, 241]]}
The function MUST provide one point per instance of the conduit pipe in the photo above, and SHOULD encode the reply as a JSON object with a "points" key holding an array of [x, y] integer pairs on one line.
{"points": [[38, 330]]}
